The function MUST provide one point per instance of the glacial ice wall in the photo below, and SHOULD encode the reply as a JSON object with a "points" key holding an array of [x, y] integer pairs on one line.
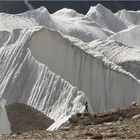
{"points": [[123, 55], [106, 85], [25, 80]]}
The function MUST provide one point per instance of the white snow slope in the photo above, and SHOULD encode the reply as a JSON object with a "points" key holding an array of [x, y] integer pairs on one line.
{"points": [[49, 62]]}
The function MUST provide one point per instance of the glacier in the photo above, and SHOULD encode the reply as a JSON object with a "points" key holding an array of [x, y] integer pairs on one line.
{"points": [[56, 62]]}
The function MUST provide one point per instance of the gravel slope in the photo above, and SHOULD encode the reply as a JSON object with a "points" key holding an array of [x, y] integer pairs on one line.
{"points": [[24, 118]]}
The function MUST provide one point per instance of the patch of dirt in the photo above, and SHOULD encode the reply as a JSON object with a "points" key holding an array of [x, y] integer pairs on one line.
{"points": [[24, 118]]}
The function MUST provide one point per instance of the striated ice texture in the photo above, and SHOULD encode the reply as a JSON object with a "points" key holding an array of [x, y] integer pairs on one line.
{"points": [[25, 80], [106, 84]]}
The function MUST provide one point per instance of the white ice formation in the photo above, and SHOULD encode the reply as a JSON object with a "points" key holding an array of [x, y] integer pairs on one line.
{"points": [[56, 62], [4, 122], [129, 36], [123, 55], [106, 18]]}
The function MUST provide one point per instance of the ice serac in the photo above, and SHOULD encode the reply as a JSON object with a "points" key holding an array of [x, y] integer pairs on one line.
{"points": [[130, 18], [123, 55], [4, 122], [40, 16], [106, 85], [106, 18], [128, 37], [25, 80]]}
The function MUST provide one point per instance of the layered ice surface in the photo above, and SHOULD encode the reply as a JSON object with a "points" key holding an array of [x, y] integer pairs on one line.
{"points": [[54, 62]]}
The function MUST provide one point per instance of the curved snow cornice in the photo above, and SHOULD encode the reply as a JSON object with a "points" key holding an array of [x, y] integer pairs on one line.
{"points": [[75, 43]]}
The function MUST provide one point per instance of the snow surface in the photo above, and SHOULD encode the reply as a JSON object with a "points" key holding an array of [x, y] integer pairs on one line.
{"points": [[55, 63]]}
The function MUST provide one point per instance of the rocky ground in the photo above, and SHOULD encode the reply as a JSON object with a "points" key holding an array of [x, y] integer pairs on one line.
{"points": [[118, 124]]}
